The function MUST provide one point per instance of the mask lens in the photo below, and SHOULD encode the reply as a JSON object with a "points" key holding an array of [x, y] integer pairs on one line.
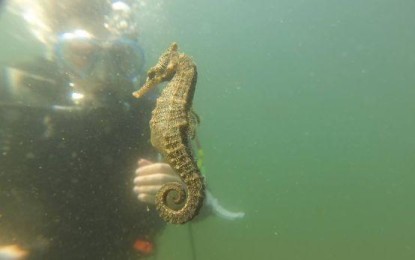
{"points": [[83, 56], [127, 58], [77, 54]]}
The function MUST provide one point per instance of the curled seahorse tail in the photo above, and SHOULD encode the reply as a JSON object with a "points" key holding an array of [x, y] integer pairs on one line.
{"points": [[194, 200]]}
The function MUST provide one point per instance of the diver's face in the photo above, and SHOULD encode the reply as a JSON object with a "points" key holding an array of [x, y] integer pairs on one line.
{"points": [[99, 70]]}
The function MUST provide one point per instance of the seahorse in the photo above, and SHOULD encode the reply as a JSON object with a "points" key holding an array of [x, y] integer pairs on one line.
{"points": [[172, 126]]}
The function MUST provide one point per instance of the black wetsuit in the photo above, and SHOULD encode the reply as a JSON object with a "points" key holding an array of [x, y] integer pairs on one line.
{"points": [[66, 178]]}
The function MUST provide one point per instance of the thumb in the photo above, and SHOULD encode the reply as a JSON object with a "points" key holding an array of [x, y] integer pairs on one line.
{"points": [[143, 162]]}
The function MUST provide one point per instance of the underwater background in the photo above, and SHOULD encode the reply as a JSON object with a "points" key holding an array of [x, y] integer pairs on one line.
{"points": [[307, 111]]}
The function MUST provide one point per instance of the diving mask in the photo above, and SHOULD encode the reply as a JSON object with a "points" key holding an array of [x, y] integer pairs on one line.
{"points": [[81, 55]]}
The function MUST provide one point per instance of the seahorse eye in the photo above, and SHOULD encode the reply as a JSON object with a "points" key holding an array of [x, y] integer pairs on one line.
{"points": [[171, 67], [151, 74]]}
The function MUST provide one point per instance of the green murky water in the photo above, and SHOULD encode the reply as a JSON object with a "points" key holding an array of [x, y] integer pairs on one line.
{"points": [[308, 125]]}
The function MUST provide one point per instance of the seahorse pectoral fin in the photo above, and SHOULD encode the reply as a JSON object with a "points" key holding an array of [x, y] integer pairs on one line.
{"points": [[194, 121], [155, 141], [195, 116]]}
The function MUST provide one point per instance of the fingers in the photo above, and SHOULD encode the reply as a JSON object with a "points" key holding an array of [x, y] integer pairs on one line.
{"points": [[144, 162], [150, 177], [150, 190], [155, 179], [153, 168], [146, 198], [146, 187]]}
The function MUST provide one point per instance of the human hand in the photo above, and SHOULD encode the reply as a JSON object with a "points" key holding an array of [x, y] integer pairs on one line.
{"points": [[150, 176]]}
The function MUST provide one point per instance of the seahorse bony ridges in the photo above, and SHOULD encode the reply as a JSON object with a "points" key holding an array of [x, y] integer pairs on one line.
{"points": [[172, 127]]}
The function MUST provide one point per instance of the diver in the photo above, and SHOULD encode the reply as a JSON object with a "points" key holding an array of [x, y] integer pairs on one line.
{"points": [[74, 144]]}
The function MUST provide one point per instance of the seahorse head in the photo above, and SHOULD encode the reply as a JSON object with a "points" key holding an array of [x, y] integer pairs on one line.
{"points": [[164, 70]]}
